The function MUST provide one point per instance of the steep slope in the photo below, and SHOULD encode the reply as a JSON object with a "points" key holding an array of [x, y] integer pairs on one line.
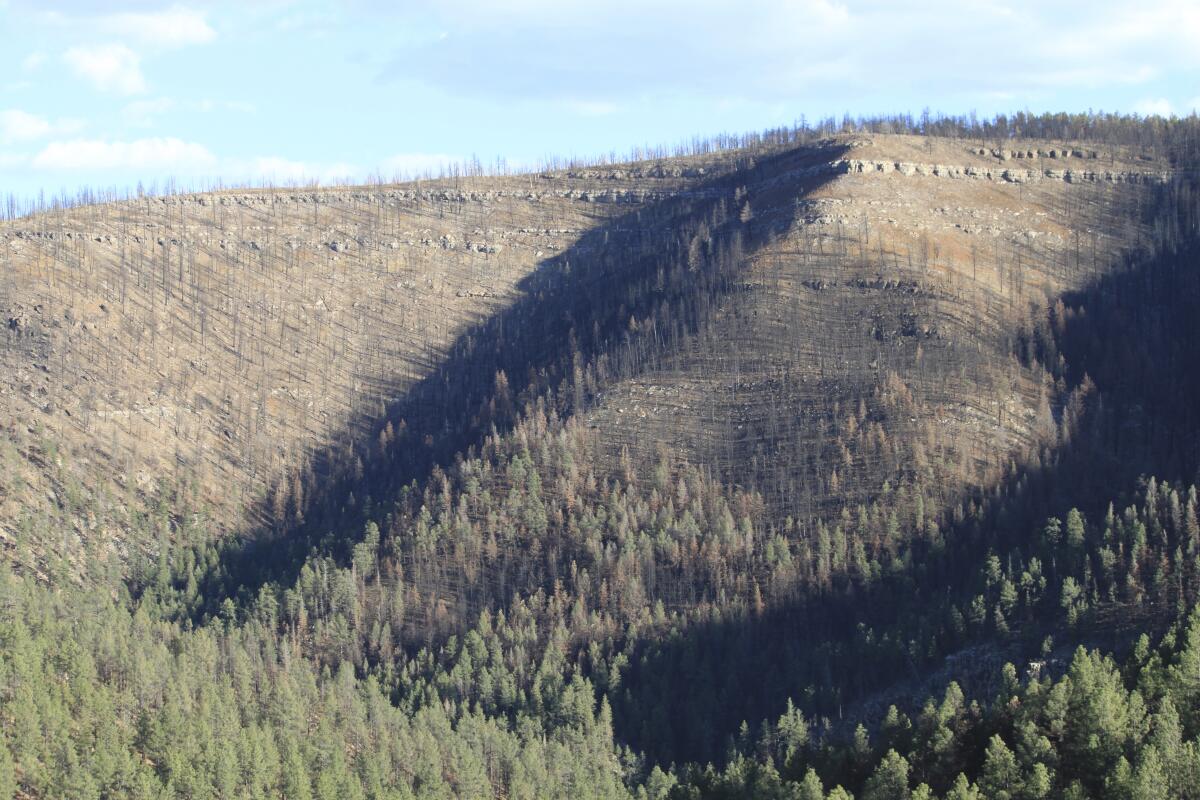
{"points": [[231, 351], [876, 338], [210, 346], [813, 431]]}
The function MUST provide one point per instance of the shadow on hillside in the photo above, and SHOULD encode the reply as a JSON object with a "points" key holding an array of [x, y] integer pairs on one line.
{"points": [[1132, 334], [689, 694], [575, 308]]}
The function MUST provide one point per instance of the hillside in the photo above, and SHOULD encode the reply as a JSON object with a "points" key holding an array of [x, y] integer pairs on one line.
{"points": [[222, 341], [872, 338], [764, 470], [196, 344]]}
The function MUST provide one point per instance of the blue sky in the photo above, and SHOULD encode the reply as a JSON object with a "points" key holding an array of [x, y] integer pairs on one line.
{"points": [[108, 93]]}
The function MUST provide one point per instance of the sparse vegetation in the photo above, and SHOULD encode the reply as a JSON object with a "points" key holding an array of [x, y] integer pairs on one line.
{"points": [[691, 477]]}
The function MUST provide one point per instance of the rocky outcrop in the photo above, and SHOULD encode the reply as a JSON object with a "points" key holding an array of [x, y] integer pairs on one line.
{"points": [[1006, 175]]}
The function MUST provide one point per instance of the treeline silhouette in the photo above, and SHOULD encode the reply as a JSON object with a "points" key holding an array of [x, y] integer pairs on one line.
{"points": [[1172, 135]]}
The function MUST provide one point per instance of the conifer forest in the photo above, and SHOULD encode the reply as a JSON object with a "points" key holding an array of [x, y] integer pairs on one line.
{"points": [[853, 459]]}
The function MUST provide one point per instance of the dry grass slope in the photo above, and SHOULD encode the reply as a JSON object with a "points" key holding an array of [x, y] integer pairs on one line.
{"points": [[216, 343]]}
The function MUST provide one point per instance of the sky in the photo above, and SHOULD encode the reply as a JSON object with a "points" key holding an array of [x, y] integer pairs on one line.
{"points": [[108, 94]]}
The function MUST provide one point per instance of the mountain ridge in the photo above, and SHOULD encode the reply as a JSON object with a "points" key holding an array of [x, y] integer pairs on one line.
{"points": [[330, 245], [522, 486]]}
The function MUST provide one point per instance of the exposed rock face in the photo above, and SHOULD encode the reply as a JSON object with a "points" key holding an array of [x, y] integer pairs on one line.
{"points": [[1008, 174]]}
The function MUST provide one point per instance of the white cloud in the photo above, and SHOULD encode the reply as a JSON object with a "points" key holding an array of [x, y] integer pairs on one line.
{"points": [[318, 23], [142, 113], [21, 126], [592, 108], [505, 48], [109, 67], [140, 154], [275, 169], [416, 164], [1154, 107], [32, 61], [810, 53], [158, 158], [174, 27], [207, 106]]}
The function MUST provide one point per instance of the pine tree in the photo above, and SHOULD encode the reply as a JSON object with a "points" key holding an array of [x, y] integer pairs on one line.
{"points": [[1150, 779], [963, 789], [890, 779], [791, 733], [1038, 783], [1000, 777], [810, 786], [8, 772]]}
